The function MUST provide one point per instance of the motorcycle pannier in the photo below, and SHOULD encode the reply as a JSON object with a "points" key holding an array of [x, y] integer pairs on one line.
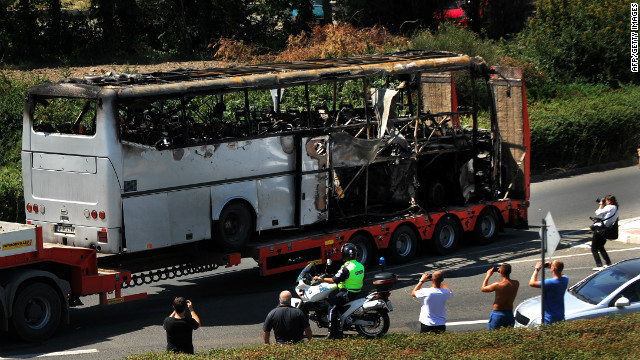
{"points": [[384, 281]]}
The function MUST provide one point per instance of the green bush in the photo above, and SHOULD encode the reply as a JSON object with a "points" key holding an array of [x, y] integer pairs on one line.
{"points": [[587, 126], [581, 40], [457, 39], [11, 104], [11, 194]]}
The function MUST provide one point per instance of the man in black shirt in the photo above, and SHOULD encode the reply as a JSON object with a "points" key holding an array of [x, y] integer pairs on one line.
{"points": [[288, 323], [180, 328]]}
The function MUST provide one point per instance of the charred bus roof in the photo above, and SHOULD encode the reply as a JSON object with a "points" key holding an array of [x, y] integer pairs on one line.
{"points": [[261, 76]]}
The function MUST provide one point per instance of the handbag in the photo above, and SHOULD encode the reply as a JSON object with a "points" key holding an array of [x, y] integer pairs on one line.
{"points": [[612, 232]]}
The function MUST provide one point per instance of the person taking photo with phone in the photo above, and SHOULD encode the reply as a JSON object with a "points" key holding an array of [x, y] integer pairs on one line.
{"points": [[506, 291], [433, 313]]}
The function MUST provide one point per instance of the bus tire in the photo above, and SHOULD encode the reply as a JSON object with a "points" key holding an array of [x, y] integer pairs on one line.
{"points": [[446, 236], [486, 228], [36, 312], [365, 252], [403, 245], [234, 227]]}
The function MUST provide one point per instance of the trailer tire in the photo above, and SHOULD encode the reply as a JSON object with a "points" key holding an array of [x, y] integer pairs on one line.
{"points": [[365, 252], [36, 312], [234, 227], [486, 228], [446, 236], [403, 245]]}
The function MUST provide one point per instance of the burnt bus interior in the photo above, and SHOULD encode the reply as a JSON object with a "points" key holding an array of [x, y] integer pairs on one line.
{"points": [[395, 141]]}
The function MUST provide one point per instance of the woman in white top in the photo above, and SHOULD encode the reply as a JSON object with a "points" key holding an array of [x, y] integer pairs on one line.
{"points": [[609, 211]]}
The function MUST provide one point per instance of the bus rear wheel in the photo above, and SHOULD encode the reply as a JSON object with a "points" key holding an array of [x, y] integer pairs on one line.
{"points": [[234, 227], [36, 312]]}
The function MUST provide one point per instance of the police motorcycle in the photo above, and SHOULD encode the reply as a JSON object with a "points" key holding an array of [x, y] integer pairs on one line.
{"points": [[369, 315]]}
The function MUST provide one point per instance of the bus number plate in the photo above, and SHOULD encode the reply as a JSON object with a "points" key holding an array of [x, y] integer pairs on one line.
{"points": [[67, 229]]}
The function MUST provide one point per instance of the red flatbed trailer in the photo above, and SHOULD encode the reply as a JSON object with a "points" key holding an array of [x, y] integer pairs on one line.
{"points": [[37, 279]]}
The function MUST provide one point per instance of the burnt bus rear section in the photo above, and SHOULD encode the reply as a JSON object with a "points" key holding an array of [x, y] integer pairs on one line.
{"points": [[512, 144]]}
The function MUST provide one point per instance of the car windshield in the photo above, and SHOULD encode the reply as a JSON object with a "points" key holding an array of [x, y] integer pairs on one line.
{"points": [[598, 287]]}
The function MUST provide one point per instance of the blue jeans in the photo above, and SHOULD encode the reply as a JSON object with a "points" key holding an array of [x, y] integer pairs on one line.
{"points": [[500, 319]]}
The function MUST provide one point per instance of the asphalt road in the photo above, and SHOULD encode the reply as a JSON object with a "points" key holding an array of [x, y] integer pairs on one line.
{"points": [[232, 303]]}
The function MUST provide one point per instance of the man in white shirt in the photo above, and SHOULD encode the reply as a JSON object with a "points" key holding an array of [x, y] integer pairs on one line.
{"points": [[433, 313]]}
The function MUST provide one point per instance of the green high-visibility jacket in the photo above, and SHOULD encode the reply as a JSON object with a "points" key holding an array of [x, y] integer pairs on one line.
{"points": [[356, 276]]}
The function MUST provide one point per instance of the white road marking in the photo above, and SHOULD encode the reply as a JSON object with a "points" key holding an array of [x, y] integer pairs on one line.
{"points": [[57, 353], [470, 322]]}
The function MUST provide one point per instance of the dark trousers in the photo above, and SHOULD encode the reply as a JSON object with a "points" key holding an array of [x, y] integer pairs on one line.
{"points": [[432, 329], [597, 245], [336, 300]]}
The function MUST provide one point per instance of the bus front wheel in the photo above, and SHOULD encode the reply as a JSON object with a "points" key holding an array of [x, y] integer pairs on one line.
{"points": [[234, 227]]}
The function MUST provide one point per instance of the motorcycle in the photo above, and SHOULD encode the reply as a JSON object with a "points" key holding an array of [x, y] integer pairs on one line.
{"points": [[369, 316]]}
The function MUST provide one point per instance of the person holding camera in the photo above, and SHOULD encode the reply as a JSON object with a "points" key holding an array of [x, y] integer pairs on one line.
{"points": [[506, 291], [433, 312], [554, 290], [608, 209], [179, 326]]}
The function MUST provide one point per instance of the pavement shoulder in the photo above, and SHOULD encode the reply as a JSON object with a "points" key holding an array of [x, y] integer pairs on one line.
{"points": [[629, 231]]}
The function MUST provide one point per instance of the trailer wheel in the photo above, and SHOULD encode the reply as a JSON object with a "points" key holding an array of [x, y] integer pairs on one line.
{"points": [[446, 236], [36, 312], [234, 227], [486, 228], [365, 252], [403, 245]]}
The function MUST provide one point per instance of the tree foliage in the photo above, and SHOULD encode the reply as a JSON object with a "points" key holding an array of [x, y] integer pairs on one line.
{"points": [[581, 40]]}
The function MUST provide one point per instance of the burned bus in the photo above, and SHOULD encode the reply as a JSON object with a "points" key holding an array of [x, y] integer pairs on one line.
{"points": [[133, 162]]}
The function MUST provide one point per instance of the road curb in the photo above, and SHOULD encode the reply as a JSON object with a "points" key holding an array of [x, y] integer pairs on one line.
{"points": [[629, 231]]}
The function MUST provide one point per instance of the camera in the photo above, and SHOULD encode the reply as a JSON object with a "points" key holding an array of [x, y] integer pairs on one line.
{"points": [[547, 265], [599, 200], [496, 268], [429, 277]]}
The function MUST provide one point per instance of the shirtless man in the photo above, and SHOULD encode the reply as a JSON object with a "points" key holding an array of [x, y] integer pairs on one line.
{"points": [[506, 291]]}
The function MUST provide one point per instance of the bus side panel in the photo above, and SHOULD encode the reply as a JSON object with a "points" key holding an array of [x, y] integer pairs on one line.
{"points": [[275, 203], [155, 170], [315, 198], [190, 215], [166, 219], [146, 222]]}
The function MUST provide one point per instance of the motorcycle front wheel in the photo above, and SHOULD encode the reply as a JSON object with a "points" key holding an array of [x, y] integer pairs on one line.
{"points": [[380, 326]]}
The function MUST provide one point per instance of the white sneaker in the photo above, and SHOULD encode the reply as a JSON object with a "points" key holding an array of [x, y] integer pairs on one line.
{"points": [[598, 268]]}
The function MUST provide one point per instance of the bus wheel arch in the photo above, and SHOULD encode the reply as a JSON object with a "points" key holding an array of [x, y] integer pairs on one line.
{"points": [[366, 248], [235, 225], [447, 235], [403, 245], [487, 226]]}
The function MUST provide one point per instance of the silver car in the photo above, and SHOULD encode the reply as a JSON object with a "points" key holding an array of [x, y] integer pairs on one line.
{"points": [[610, 291]]}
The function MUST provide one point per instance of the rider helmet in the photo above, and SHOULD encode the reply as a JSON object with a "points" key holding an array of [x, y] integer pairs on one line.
{"points": [[348, 252]]}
